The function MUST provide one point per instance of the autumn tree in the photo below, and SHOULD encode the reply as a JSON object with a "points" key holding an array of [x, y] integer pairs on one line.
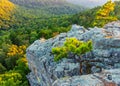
{"points": [[14, 53], [74, 49], [16, 50], [104, 14], [6, 8]]}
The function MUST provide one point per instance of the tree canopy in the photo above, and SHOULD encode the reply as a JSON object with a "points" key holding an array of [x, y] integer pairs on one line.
{"points": [[71, 45], [105, 14], [74, 49], [6, 8]]}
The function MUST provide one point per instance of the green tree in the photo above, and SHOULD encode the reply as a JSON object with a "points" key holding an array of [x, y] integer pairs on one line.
{"points": [[45, 33], [72, 48], [22, 68], [72, 45], [10, 79], [2, 68], [33, 36], [15, 39]]}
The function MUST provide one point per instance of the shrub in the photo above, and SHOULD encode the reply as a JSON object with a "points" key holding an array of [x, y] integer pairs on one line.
{"points": [[74, 49]]}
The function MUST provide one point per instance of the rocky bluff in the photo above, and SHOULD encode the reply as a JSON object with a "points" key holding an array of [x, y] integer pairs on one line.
{"points": [[106, 46]]}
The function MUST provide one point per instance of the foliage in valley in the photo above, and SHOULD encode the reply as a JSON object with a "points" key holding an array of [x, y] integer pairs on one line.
{"points": [[51, 7], [6, 10], [13, 65]]}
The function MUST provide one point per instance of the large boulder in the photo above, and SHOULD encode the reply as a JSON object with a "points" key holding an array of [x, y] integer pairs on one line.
{"points": [[46, 72]]}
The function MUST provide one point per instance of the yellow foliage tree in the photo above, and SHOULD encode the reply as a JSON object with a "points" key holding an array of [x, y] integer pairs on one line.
{"points": [[103, 14], [16, 50], [6, 7]]}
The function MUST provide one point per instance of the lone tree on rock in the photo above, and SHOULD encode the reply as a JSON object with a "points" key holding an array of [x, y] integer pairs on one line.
{"points": [[74, 49]]}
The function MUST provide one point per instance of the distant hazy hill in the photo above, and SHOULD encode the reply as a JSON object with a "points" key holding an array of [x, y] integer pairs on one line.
{"points": [[88, 3], [38, 3], [50, 6]]}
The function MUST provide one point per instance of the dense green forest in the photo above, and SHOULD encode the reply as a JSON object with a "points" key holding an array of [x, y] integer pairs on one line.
{"points": [[25, 23]]}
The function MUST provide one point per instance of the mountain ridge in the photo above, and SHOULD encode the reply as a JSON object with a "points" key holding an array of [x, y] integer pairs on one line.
{"points": [[37, 2], [39, 9], [51, 6]]}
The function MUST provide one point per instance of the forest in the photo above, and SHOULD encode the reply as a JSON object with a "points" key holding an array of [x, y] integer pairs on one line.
{"points": [[21, 25]]}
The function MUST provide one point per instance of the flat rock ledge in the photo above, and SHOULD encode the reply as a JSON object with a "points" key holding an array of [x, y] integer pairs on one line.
{"points": [[106, 46], [105, 78]]}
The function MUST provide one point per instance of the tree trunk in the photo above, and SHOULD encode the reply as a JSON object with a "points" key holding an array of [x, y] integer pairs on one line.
{"points": [[80, 68]]}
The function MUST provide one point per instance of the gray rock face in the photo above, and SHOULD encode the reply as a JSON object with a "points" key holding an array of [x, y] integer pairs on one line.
{"points": [[106, 78], [46, 72], [113, 28]]}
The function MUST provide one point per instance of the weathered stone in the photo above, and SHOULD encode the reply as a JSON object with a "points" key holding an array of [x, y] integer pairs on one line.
{"points": [[106, 78], [46, 72], [113, 28], [95, 69]]}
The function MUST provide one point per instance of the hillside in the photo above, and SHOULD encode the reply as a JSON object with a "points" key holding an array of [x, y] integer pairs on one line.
{"points": [[38, 3], [55, 7], [86, 17], [5, 12], [35, 11]]}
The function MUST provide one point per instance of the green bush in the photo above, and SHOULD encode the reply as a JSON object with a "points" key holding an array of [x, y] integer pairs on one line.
{"points": [[73, 48], [2, 68], [71, 45], [10, 79]]}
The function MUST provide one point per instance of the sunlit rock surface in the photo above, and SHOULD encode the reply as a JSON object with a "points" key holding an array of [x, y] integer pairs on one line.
{"points": [[113, 29], [46, 72]]}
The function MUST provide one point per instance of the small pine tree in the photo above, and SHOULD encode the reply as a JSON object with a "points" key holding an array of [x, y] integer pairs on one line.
{"points": [[103, 15], [74, 47]]}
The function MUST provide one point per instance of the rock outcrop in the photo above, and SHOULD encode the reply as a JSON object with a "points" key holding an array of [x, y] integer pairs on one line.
{"points": [[106, 47], [106, 78]]}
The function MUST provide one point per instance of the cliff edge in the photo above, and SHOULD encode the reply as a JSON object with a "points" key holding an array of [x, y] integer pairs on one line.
{"points": [[106, 46]]}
